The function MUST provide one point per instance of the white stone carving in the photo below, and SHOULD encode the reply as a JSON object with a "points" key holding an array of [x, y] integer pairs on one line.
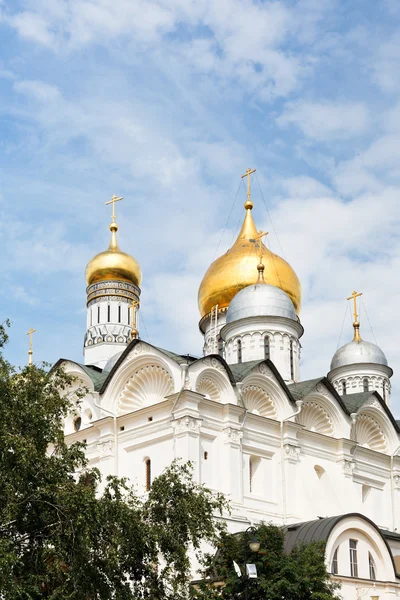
{"points": [[369, 434], [214, 363], [348, 467], [258, 401], [292, 452], [105, 448], [208, 387], [187, 425], [315, 418], [263, 369], [233, 435], [148, 385]]}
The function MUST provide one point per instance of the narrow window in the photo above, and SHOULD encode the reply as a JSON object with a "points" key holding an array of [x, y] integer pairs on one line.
{"points": [[344, 390], [148, 474], [291, 361], [221, 347], [205, 455], [119, 313], [98, 314], [129, 315], [365, 384], [353, 558], [335, 565], [372, 573], [251, 473], [91, 316], [266, 346], [239, 351], [108, 313]]}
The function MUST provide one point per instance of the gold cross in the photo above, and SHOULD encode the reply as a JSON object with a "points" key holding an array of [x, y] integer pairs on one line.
{"points": [[30, 352], [354, 297], [248, 175], [113, 200]]}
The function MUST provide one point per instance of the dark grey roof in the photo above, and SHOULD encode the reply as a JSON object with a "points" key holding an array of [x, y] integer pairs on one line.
{"points": [[301, 389], [355, 401], [241, 370], [390, 535], [179, 358], [96, 375], [310, 531]]}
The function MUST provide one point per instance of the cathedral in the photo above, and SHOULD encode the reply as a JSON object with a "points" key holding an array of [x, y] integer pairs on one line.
{"points": [[319, 457]]}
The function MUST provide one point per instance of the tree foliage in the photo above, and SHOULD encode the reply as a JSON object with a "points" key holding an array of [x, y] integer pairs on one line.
{"points": [[63, 538], [298, 575]]}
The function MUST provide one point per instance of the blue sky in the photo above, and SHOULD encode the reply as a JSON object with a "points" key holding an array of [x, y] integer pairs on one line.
{"points": [[167, 103]]}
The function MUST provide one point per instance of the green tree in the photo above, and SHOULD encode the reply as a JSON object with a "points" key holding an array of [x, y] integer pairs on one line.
{"points": [[60, 537], [299, 575]]}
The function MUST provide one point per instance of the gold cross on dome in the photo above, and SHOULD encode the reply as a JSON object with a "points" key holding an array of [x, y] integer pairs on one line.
{"points": [[30, 352], [113, 200], [259, 238], [354, 297], [248, 174]]}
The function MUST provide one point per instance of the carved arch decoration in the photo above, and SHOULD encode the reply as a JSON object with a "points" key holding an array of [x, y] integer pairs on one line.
{"points": [[258, 401], [207, 386], [369, 434], [315, 418], [148, 385]]}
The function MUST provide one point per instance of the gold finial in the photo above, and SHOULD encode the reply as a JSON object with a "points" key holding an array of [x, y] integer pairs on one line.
{"points": [[260, 266], [133, 307], [248, 204], [113, 225], [30, 351], [356, 324]]}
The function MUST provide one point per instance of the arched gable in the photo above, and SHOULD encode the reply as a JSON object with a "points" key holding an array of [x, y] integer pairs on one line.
{"points": [[316, 418], [210, 376], [142, 377], [265, 394], [374, 429]]}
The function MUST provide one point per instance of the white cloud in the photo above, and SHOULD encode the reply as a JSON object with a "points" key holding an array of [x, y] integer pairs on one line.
{"points": [[39, 90], [326, 120]]}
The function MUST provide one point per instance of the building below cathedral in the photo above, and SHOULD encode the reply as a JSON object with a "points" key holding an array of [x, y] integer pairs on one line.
{"points": [[318, 457]]}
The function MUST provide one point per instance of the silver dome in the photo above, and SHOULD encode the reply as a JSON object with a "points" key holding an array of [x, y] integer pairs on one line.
{"points": [[260, 300], [112, 361], [358, 352]]}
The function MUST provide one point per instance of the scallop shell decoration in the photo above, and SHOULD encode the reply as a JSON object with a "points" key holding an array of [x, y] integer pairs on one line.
{"points": [[258, 402], [208, 388], [315, 418], [149, 385], [369, 434]]}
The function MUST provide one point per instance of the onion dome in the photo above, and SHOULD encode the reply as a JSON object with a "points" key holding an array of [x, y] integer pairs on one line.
{"points": [[237, 269], [356, 352], [113, 264], [260, 300]]}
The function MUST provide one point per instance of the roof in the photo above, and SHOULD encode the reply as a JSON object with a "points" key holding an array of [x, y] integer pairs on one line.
{"points": [[320, 529], [354, 402], [241, 370], [303, 388], [94, 373]]}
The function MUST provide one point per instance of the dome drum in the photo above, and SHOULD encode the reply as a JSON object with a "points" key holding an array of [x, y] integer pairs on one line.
{"points": [[123, 291]]}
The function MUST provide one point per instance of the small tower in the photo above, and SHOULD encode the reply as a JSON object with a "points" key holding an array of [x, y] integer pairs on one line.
{"points": [[113, 290], [360, 366], [261, 323]]}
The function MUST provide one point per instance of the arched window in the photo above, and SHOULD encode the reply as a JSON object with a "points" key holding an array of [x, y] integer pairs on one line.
{"points": [[221, 347], [108, 313], [129, 315], [98, 314], [119, 313], [91, 316], [291, 361], [353, 558], [266, 347], [371, 564], [365, 384], [239, 351], [335, 564], [148, 474], [344, 390]]}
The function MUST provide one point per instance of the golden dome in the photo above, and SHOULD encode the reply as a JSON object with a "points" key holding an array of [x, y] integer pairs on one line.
{"points": [[113, 264], [237, 269]]}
